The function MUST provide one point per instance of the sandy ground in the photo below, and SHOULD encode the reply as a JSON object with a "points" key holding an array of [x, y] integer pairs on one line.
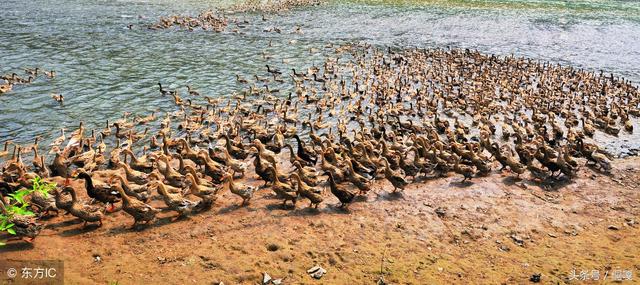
{"points": [[440, 231]]}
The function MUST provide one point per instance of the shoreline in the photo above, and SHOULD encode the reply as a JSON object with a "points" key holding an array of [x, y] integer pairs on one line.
{"points": [[435, 231]]}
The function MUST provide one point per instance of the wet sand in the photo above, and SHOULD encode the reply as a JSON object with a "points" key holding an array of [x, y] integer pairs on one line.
{"points": [[439, 231]]}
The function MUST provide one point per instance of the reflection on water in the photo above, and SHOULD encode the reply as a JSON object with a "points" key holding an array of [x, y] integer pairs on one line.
{"points": [[104, 68]]}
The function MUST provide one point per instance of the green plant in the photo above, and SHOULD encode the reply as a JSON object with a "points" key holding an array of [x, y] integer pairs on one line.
{"points": [[18, 204]]}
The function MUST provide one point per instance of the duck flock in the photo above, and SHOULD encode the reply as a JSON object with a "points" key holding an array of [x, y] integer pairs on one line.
{"points": [[218, 21], [364, 118]]}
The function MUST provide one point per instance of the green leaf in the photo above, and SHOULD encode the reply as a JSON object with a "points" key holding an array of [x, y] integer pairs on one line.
{"points": [[11, 231], [2, 243]]}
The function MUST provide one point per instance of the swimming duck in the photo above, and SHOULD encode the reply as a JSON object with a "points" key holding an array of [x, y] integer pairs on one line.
{"points": [[6, 88], [191, 91], [166, 92], [50, 74], [58, 97], [4, 152]]}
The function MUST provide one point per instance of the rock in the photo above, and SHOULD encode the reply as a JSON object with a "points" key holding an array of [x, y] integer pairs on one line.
{"points": [[273, 247], [316, 272], [276, 281], [265, 278], [97, 258], [441, 212], [613, 227], [535, 278], [517, 240]]}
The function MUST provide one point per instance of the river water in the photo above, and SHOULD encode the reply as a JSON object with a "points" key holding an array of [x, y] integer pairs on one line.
{"points": [[104, 68]]}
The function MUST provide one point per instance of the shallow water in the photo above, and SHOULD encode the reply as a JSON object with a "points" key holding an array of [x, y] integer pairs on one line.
{"points": [[104, 68]]}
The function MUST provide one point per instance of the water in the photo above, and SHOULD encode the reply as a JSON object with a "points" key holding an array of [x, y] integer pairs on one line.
{"points": [[104, 68]]}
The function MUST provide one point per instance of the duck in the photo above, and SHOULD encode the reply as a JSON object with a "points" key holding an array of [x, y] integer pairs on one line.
{"points": [[172, 176], [207, 194], [58, 98], [174, 201], [140, 192], [140, 164], [283, 190], [344, 196], [264, 153], [308, 192], [394, 177], [235, 151], [62, 198], [211, 168], [293, 157], [140, 211], [240, 79], [338, 174], [235, 165], [307, 174], [5, 150], [306, 154], [600, 160], [50, 74], [191, 91], [196, 176], [515, 165], [6, 88], [165, 92], [24, 227], [86, 213], [363, 184], [101, 191], [240, 189], [465, 170], [59, 140]]}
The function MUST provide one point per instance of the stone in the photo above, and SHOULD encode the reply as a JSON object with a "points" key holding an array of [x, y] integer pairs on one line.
{"points": [[317, 272], [265, 278]]}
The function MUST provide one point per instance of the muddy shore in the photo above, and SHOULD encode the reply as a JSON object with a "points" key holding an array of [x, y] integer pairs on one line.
{"points": [[495, 230]]}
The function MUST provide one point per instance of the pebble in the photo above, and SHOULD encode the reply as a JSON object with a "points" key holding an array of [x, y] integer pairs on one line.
{"points": [[517, 240], [535, 278], [317, 272], [273, 247], [612, 227], [265, 278]]}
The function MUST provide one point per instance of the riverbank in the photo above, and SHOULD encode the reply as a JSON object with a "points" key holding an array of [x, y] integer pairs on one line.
{"points": [[491, 231]]}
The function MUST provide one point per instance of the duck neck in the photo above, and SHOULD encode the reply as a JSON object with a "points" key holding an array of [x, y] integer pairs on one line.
{"points": [[88, 181]]}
